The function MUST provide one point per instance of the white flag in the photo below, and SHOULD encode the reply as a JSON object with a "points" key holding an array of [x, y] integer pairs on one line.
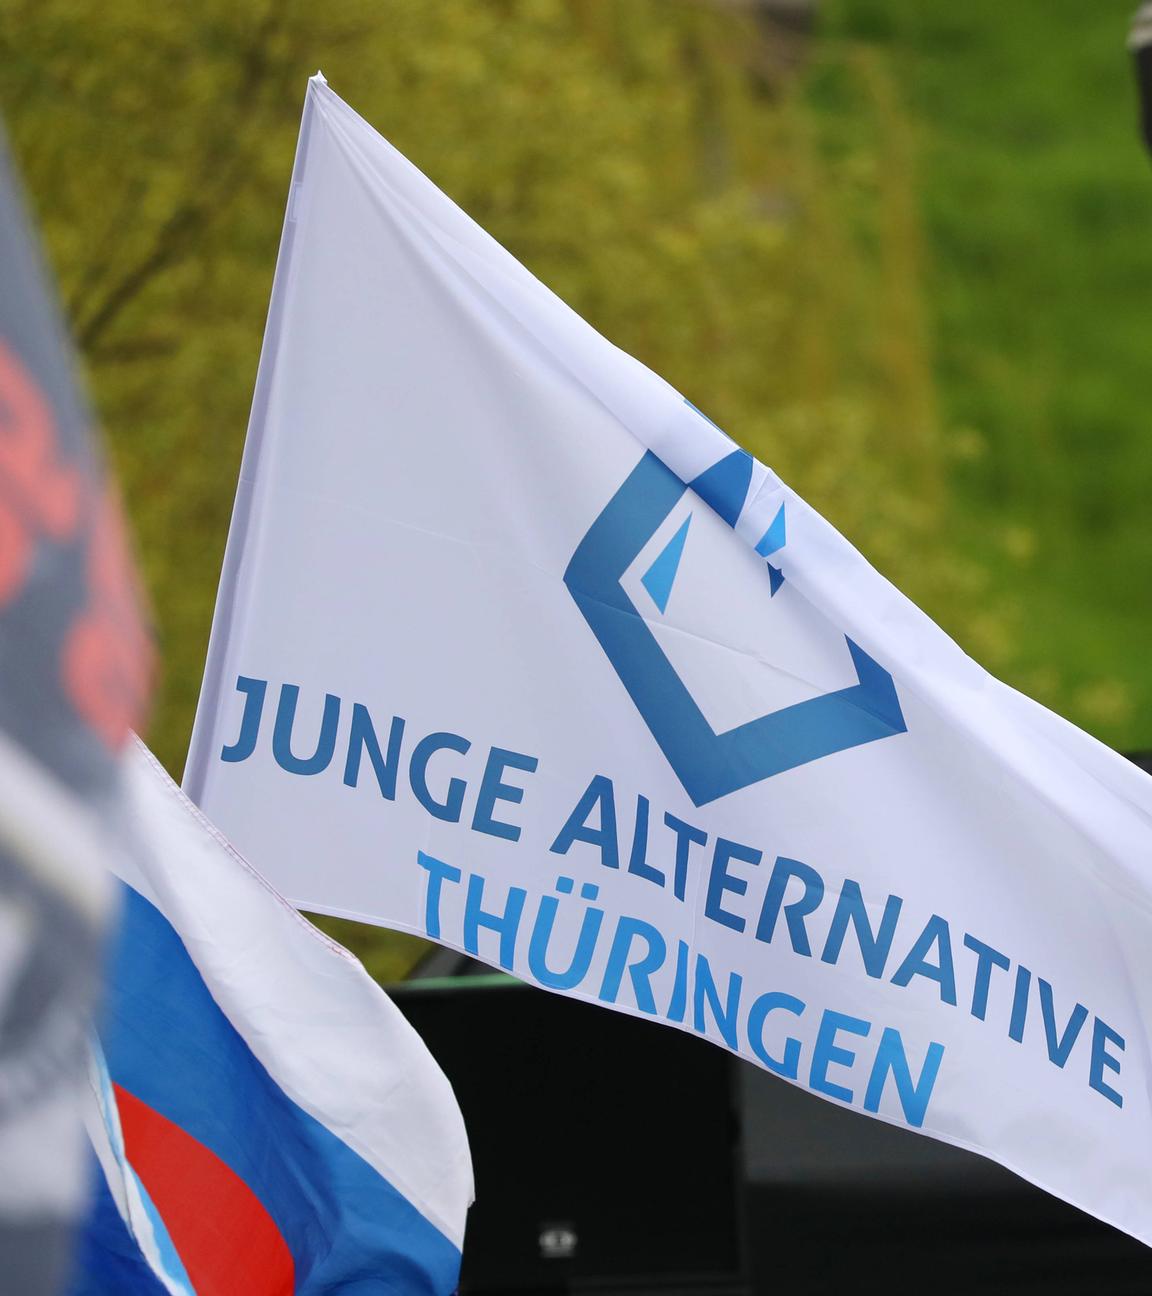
{"points": [[515, 649]]}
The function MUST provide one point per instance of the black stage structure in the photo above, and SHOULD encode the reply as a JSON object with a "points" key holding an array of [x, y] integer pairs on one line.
{"points": [[619, 1156]]}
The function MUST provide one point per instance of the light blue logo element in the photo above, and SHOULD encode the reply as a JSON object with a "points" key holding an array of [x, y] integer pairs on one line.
{"points": [[708, 764], [658, 579], [775, 538], [772, 541]]}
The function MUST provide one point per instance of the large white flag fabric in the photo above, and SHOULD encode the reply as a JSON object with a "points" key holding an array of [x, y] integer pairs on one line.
{"points": [[514, 648]]}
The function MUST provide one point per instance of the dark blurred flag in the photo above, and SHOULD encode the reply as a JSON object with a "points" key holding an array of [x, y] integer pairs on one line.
{"points": [[74, 671], [1140, 43]]}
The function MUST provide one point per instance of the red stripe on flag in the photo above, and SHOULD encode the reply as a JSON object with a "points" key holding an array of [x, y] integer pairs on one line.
{"points": [[228, 1242]]}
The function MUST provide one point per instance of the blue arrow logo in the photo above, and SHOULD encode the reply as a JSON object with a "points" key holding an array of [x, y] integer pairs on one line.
{"points": [[708, 764]]}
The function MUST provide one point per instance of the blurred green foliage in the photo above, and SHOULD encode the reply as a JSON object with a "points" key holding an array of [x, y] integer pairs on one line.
{"points": [[1037, 207], [906, 264]]}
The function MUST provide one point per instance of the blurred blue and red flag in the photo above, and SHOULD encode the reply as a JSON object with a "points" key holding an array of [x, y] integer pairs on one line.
{"points": [[271, 1123]]}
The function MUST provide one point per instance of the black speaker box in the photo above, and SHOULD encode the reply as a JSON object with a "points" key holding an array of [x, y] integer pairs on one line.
{"points": [[606, 1150]]}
